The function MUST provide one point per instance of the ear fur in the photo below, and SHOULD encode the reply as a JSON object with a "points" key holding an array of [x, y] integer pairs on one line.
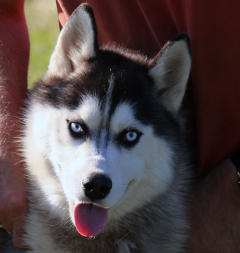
{"points": [[77, 42], [170, 72]]}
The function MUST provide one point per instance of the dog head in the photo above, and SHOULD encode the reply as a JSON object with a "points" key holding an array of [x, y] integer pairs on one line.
{"points": [[102, 125]]}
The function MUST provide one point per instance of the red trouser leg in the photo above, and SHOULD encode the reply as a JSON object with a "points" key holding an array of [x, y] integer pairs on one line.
{"points": [[14, 56]]}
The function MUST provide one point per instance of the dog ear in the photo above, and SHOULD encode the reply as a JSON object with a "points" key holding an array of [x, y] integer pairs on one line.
{"points": [[76, 44], [170, 72]]}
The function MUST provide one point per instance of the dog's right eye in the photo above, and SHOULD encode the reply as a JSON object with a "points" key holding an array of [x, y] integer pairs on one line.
{"points": [[78, 130]]}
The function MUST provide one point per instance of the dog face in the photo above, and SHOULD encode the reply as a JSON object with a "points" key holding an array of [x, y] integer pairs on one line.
{"points": [[101, 126]]}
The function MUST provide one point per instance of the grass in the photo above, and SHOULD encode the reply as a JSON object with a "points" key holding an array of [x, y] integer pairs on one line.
{"points": [[43, 28]]}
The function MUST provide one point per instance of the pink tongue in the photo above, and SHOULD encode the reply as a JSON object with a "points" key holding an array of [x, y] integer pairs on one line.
{"points": [[89, 219]]}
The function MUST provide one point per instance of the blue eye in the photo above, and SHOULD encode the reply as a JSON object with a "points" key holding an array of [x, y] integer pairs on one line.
{"points": [[76, 127], [78, 130], [129, 137]]}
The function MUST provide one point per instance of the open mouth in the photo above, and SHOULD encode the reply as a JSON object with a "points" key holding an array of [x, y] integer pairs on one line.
{"points": [[89, 219]]}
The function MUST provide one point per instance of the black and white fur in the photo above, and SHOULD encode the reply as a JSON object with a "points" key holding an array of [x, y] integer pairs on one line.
{"points": [[127, 107]]}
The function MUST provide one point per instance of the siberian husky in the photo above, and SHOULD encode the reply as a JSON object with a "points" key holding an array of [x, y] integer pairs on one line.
{"points": [[104, 147]]}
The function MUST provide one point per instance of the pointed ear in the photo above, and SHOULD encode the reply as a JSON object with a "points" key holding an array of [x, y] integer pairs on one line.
{"points": [[77, 42], [170, 72]]}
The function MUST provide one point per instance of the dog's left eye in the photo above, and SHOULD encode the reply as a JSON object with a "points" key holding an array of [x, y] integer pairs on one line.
{"points": [[77, 130], [129, 137]]}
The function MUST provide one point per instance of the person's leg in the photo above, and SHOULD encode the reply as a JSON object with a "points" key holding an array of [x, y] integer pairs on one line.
{"points": [[14, 56], [214, 212]]}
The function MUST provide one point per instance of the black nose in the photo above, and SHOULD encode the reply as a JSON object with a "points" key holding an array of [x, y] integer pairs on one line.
{"points": [[97, 187]]}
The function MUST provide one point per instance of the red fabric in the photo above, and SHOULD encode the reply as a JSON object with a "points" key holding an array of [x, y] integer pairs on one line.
{"points": [[213, 27], [14, 55], [12, 8]]}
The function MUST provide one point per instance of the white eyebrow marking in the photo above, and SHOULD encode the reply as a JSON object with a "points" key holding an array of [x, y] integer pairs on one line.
{"points": [[123, 117], [89, 111]]}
